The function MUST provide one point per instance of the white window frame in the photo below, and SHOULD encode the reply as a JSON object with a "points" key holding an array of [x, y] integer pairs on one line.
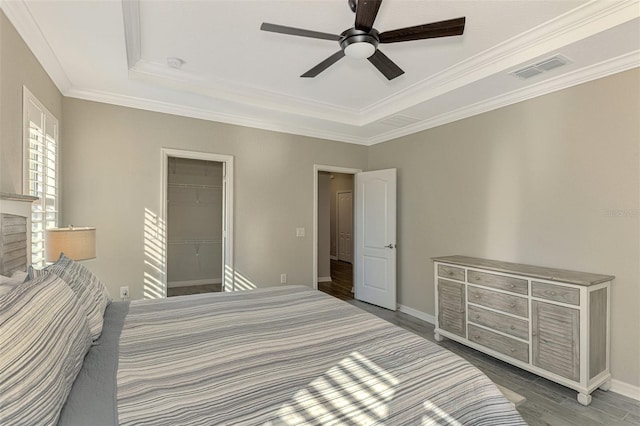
{"points": [[41, 207]]}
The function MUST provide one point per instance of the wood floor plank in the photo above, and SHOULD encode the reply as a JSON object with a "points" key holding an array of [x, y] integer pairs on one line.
{"points": [[593, 412]]}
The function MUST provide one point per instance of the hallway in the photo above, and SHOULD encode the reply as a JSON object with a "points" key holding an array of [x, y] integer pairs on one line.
{"points": [[341, 283]]}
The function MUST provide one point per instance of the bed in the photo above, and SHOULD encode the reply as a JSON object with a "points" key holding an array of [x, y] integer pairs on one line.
{"points": [[272, 356]]}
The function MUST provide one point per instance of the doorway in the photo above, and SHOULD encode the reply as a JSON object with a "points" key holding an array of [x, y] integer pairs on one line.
{"points": [[197, 217], [194, 226], [332, 270], [335, 234], [374, 233]]}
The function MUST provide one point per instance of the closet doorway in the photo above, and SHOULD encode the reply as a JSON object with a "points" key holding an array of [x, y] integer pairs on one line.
{"points": [[197, 209]]}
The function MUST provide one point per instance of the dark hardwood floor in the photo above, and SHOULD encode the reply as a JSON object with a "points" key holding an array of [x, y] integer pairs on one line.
{"points": [[193, 289], [547, 402], [341, 283]]}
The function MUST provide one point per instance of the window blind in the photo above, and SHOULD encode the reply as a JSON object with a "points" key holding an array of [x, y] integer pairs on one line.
{"points": [[41, 168]]}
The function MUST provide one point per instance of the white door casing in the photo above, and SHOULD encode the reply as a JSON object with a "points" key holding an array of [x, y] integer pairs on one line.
{"points": [[344, 225], [375, 248]]}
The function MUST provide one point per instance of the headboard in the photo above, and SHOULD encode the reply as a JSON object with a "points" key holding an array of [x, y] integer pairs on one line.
{"points": [[15, 235]]}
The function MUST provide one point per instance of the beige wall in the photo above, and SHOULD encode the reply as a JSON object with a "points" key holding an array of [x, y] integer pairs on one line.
{"points": [[534, 183], [112, 178], [19, 67]]}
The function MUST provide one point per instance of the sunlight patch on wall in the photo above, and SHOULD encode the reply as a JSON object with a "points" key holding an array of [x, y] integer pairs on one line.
{"points": [[154, 256], [241, 282], [356, 387]]}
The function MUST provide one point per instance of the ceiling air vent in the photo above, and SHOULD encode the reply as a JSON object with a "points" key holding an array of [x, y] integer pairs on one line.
{"points": [[399, 120], [541, 67]]}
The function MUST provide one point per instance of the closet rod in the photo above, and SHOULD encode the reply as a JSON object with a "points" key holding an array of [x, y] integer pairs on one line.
{"points": [[190, 185], [196, 242]]}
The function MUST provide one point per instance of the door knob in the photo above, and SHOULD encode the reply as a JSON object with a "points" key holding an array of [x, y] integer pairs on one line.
{"points": [[391, 246]]}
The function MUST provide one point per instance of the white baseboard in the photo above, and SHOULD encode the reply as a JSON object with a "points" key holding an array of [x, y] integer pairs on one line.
{"points": [[324, 279], [333, 257], [625, 389], [173, 284], [418, 314]]}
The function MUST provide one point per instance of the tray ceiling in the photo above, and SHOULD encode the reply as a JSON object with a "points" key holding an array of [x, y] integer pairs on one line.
{"points": [[121, 53]]}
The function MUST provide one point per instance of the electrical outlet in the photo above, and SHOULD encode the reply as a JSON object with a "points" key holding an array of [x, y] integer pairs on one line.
{"points": [[283, 278], [124, 293], [299, 232]]}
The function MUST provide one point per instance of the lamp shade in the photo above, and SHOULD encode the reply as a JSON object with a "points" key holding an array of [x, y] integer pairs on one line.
{"points": [[75, 243]]}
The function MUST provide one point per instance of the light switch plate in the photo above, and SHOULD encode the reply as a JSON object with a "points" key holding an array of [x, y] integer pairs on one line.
{"points": [[299, 232]]}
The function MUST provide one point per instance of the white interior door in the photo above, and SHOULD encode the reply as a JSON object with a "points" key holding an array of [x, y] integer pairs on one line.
{"points": [[375, 266], [345, 225]]}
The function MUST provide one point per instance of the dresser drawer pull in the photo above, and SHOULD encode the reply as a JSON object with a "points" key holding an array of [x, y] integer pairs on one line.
{"points": [[461, 311], [477, 316], [478, 296], [513, 305], [513, 327], [513, 349], [477, 337], [553, 293], [512, 285]]}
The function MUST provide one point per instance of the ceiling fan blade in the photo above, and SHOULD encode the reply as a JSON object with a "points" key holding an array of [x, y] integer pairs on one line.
{"points": [[324, 64], [366, 11], [451, 27], [274, 28], [385, 65]]}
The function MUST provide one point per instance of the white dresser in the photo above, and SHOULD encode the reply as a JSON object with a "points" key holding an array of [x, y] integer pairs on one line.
{"points": [[552, 322]]}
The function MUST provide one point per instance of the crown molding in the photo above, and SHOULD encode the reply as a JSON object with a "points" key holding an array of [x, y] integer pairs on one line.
{"points": [[563, 81], [203, 114], [20, 16], [132, 35], [241, 94], [575, 25]]}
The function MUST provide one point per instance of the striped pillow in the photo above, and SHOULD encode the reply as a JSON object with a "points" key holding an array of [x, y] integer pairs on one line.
{"points": [[44, 336], [7, 284], [91, 293]]}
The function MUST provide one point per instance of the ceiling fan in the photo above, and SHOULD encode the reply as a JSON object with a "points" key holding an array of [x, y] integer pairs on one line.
{"points": [[361, 41]]}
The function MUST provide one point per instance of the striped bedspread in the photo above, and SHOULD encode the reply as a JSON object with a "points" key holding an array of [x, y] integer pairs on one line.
{"points": [[290, 356]]}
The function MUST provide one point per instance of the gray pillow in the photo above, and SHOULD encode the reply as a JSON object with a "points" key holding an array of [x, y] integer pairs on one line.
{"points": [[89, 290], [44, 337]]}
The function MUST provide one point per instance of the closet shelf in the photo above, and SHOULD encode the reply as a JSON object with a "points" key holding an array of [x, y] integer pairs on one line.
{"points": [[195, 242], [189, 185]]}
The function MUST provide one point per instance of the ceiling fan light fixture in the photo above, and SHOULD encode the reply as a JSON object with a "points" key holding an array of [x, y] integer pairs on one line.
{"points": [[359, 50]]}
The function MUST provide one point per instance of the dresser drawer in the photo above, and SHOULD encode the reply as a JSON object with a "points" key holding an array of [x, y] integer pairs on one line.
{"points": [[499, 343], [515, 285], [555, 292], [506, 324], [446, 271], [503, 302]]}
